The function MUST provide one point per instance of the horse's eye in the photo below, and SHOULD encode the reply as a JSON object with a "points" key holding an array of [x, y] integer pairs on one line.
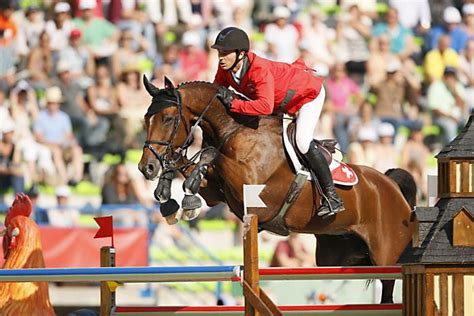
{"points": [[168, 120]]}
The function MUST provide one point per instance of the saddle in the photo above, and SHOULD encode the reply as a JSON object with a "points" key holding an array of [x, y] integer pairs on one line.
{"points": [[342, 173], [328, 146]]}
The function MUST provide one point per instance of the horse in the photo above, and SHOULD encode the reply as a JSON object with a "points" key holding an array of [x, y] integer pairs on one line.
{"points": [[374, 229]]}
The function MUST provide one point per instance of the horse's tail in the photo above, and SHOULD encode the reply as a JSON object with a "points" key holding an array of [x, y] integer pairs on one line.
{"points": [[406, 182]]}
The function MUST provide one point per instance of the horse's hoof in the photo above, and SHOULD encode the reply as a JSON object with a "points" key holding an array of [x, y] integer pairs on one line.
{"points": [[189, 215], [174, 218], [169, 207], [191, 202]]}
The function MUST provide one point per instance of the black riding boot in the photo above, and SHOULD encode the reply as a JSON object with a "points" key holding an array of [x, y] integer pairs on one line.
{"points": [[332, 204]]}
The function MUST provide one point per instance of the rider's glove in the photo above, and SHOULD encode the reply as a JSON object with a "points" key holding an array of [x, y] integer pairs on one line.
{"points": [[226, 96]]}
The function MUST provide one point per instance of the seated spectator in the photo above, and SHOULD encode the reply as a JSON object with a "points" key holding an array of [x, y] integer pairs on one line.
{"points": [[99, 35], [193, 58], [130, 51], [282, 37], [318, 38], [169, 65], [343, 93], [385, 148], [53, 129], [24, 111], [30, 29], [63, 215], [353, 30], [120, 189], [292, 253], [446, 99], [466, 72], [468, 26], [133, 102], [414, 156], [439, 58], [60, 27], [380, 56], [362, 152], [364, 119], [401, 38], [40, 62], [452, 28], [80, 61], [11, 173], [392, 95]]}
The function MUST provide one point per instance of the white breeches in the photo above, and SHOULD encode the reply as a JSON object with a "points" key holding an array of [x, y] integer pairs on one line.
{"points": [[306, 121]]}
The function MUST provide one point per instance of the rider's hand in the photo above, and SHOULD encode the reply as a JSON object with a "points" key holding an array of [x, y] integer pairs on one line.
{"points": [[226, 96]]}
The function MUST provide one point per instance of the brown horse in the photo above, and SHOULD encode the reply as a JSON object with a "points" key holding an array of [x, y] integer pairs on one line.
{"points": [[374, 229]]}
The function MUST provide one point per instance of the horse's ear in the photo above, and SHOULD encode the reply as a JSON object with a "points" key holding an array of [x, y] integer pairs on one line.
{"points": [[152, 90], [168, 83]]}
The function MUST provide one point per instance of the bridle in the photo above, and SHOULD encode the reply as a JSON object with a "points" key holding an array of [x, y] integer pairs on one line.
{"points": [[170, 157]]}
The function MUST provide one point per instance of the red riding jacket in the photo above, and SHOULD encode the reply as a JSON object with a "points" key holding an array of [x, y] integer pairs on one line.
{"points": [[272, 86]]}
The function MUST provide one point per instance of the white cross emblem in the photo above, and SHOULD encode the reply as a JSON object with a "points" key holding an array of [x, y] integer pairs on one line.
{"points": [[348, 172]]}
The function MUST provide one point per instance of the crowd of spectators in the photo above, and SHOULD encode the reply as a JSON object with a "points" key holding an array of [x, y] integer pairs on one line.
{"points": [[399, 75]]}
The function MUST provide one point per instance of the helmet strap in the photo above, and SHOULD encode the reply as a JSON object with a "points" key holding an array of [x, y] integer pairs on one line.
{"points": [[237, 59]]}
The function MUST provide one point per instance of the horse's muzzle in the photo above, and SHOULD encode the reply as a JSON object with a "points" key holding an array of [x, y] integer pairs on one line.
{"points": [[150, 169]]}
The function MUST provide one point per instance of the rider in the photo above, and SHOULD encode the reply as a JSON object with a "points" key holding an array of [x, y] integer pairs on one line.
{"points": [[276, 87]]}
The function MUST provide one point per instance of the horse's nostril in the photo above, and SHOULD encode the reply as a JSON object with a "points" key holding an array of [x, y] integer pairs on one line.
{"points": [[150, 167]]}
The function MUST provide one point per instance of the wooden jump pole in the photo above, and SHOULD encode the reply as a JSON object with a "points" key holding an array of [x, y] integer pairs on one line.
{"points": [[256, 300], [107, 292]]}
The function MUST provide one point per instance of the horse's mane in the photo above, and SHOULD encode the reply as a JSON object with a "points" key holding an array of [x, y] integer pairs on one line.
{"points": [[197, 82]]}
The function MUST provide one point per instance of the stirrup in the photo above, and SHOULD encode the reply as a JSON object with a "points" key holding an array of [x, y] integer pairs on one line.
{"points": [[326, 211]]}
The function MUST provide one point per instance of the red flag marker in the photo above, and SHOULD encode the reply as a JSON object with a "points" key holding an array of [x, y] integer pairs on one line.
{"points": [[106, 227]]}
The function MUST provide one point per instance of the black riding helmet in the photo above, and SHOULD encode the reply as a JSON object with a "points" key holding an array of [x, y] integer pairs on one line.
{"points": [[232, 38]]}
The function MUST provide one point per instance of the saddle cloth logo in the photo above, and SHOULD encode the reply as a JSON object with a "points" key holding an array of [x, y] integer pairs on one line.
{"points": [[342, 174]]}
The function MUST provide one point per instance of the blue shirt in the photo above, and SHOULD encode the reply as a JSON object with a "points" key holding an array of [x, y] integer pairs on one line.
{"points": [[397, 37], [458, 37], [53, 127]]}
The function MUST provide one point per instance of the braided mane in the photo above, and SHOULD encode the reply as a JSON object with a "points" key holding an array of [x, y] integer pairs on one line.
{"points": [[192, 83]]}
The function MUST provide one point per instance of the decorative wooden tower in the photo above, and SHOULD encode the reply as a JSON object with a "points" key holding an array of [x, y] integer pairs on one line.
{"points": [[438, 280]]}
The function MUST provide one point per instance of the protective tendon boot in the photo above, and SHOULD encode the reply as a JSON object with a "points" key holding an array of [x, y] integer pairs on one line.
{"points": [[332, 204]]}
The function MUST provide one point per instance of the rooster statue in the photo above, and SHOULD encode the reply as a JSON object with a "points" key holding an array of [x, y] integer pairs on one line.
{"points": [[22, 250]]}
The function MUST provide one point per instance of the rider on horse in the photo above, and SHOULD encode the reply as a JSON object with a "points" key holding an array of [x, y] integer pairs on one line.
{"points": [[276, 87]]}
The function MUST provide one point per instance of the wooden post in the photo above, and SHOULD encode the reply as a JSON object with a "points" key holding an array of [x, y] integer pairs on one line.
{"points": [[429, 306], [458, 294], [257, 301], [107, 296]]}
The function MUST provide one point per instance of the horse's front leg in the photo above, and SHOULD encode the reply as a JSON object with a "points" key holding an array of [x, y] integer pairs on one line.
{"points": [[169, 207], [191, 203]]}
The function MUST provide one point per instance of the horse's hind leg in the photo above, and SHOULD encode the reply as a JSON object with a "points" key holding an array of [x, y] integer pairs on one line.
{"points": [[387, 291], [349, 250]]}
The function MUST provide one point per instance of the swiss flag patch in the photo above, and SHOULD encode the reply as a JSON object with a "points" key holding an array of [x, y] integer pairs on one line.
{"points": [[343, 174]]}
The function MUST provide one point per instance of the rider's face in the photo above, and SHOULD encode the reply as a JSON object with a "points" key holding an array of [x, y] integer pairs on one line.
{"points": [[226, 58]]}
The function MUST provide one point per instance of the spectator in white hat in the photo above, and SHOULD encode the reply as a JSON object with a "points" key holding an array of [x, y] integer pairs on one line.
{"points": [[63, 215], [53, 129], [362, 151], [193, 58], [452, 20], [282, 37], [468, 13], [385, 148], [60, 26]]}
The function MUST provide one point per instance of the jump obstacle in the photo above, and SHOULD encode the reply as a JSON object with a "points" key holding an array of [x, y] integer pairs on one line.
{"points": [[249, 275]]}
